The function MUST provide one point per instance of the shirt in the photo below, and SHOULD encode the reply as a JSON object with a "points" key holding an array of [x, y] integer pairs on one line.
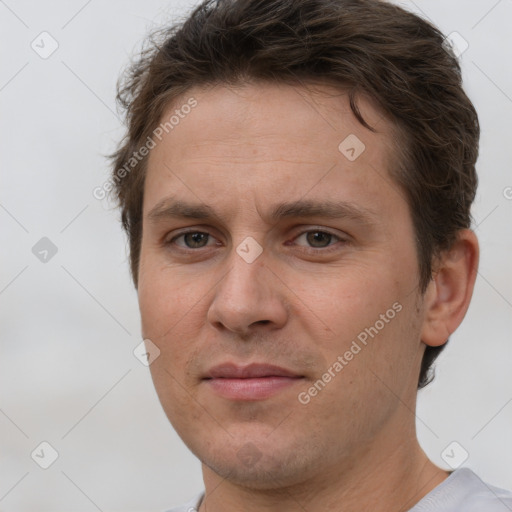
{"points": [[462, 491]]}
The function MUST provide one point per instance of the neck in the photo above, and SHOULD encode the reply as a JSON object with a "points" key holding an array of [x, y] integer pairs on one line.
{"points": [[390, 473]]}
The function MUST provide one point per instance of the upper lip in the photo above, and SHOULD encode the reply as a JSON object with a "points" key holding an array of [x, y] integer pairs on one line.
{"points": [[251, 371]]}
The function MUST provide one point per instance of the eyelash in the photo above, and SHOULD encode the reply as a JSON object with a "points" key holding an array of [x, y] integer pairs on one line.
{"points": [[316, 250]]}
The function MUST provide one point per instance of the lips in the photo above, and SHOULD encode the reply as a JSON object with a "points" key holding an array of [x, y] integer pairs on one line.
{"points": [[252, 371], [252, 382]]}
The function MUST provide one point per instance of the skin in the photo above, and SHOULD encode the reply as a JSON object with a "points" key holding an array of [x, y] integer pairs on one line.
{"points": [[298, 305]]}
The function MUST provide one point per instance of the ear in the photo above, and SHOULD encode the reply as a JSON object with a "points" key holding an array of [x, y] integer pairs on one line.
{"points": [[449, 292]]}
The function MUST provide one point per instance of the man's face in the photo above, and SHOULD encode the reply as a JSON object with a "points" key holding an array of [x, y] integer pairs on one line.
{"points": [[301, 290]]}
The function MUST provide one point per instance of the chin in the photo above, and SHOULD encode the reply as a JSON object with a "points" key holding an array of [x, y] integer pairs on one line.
{"points": [[260, 464], [265, 475]]}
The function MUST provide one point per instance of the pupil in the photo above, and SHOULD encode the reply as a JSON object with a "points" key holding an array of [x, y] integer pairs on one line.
{"points": [[196, 239], [318, 236]]}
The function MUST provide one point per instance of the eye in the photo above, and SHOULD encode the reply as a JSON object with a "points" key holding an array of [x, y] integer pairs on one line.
{"points": [[318, 239], [314, 240], [191, 240]]}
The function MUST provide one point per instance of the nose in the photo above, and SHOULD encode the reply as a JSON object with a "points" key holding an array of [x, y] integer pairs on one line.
{"points": [[249, 295]]}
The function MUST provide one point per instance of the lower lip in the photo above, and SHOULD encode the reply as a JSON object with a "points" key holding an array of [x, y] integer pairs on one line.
{"points": [[251, 389]]}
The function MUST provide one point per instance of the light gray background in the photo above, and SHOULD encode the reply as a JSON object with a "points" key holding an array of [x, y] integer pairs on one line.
{"points": [[68, 327]]}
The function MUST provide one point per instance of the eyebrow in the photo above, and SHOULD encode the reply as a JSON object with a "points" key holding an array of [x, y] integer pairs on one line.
{"points": [[171, 208]]}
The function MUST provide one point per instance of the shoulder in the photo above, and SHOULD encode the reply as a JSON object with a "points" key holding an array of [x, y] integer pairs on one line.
{"points": [[488, 498], [190, 506], [465, 490]]}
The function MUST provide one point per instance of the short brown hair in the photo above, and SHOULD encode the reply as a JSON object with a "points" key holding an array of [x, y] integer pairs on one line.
{"points": [[368, 46]]}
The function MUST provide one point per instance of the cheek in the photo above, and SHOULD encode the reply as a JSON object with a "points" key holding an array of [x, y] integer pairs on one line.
{"points": [[155, 306], [348, 299], [170, 312], [172, 308], [368, 311], [372, 378], [166, 299]]}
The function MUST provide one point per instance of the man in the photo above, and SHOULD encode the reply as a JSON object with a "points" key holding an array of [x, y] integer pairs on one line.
{"points": [[296, 185]]}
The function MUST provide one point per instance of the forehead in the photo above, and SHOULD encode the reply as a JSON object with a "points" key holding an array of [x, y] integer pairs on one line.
{"points": [[290, 136], [265, 110]]}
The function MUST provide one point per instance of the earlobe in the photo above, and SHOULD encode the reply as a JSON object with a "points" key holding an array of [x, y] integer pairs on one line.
{"points": [[449, 293]]}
